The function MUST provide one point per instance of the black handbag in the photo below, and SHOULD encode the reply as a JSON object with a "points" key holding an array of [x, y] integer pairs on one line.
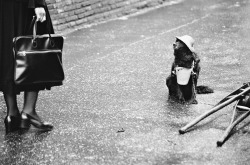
{"points": [[38, 59]]}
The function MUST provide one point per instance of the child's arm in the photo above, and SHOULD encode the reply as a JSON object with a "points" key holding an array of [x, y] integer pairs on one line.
{"points": [[173, 69], [196, 68]]}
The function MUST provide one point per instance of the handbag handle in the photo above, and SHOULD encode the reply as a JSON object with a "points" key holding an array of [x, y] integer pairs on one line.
{"points": [[52, 43]]}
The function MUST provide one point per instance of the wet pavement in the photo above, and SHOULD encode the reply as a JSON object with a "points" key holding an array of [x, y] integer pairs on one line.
{"points": [[113, 106]]}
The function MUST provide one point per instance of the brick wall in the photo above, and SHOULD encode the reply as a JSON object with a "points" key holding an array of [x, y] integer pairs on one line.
{"points": [[67, 14]]}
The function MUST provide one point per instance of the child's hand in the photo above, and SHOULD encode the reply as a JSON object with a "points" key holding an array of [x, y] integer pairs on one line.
{"points": [[173, 74], [194, 75]]}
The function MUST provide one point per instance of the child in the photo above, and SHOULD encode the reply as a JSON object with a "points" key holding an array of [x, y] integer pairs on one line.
{"points": [[185, 59]]}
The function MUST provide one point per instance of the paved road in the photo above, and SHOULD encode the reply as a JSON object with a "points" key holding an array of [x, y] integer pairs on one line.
{"points": [[113, 108]]}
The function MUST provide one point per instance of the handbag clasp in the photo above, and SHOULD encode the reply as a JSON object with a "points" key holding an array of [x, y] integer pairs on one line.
{"points": [[22, 53]]}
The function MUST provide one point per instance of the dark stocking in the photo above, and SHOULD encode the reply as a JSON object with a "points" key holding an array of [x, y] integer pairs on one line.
{"points": [[11, 101], [30, 99]]}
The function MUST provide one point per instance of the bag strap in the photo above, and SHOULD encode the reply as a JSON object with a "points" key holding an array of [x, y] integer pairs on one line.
{"points": [[35, 28], [31, 24], [34, 42]]}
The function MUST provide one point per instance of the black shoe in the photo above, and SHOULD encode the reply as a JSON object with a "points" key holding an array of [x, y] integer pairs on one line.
{"points": [[12, 123], [28, 120]]}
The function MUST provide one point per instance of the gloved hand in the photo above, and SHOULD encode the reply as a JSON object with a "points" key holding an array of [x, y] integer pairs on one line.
{"points": [[40, 14]]}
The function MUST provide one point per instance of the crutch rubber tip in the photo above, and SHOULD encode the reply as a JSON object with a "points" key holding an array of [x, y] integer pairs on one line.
{"points": [[219, 143], [181, 131]]}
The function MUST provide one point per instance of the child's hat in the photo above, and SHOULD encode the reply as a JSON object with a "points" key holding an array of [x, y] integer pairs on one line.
{"points": [[188, 41]]}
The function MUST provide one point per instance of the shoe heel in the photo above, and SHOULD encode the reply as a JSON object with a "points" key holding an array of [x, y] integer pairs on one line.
{"points": [[7, 124], [12, 123], [25, 124]]}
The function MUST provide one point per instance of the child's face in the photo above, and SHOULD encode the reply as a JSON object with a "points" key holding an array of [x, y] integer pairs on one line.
{"points": [[178, 44]]}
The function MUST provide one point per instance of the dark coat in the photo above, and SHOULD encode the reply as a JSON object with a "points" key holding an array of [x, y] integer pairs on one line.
{"points": [[15, 20]]}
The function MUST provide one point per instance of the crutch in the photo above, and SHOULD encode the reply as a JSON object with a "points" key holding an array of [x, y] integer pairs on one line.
{"points": [[242, 107], [236, 95]]}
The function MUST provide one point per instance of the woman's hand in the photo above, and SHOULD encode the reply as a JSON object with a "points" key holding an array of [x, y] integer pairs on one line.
{"points": [[40, 14]]}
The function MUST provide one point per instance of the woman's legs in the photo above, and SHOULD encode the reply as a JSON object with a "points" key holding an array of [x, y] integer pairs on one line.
{"points": [[29, 114], [13, 120], [30, 99], [11, 101], [29, 106]]}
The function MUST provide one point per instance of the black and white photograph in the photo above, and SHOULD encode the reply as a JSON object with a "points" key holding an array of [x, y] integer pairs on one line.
{"points": [[124, 82]]}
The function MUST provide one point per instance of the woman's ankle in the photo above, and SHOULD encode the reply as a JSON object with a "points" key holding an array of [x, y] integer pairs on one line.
{"points": [[13, 113], [29, 112]]}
